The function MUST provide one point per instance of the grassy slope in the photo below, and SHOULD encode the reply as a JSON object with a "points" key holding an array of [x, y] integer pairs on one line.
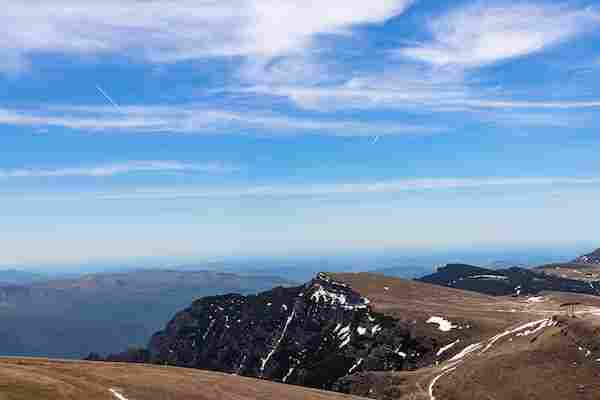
{"points": [[42, 379]]}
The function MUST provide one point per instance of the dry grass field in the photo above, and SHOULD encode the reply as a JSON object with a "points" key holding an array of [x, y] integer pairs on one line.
{"points": [[42, 379], [516, 348]]}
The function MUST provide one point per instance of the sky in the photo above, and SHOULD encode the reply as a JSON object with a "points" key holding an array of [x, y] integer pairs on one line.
{"points": [[202, 128]]}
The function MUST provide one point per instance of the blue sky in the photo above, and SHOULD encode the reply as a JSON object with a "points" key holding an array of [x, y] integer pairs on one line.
{"points": [[256, 127]]}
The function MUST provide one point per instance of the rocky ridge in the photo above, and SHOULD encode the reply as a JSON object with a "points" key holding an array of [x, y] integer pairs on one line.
{"points": [[311, 335]]}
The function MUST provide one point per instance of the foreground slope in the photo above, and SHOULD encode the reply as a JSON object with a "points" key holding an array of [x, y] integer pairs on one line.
{"points": [[42, 379], [552, 358], [517, 348]]}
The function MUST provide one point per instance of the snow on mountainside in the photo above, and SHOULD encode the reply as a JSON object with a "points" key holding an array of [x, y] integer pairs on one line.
{"points": [[363, 334], [311, 335]]}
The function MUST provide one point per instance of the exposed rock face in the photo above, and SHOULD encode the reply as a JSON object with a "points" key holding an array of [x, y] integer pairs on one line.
{"points": [[310, 335], [500, 282]]}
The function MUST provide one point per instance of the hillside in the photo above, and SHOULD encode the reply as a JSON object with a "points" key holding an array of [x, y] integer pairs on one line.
{"points": [[584, 268], [363, 334], [104, 312], [42, 379], [501, 356], [512, 281], [327, 330]]}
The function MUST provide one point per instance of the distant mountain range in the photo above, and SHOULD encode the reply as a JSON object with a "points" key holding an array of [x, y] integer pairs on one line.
{"points": [[13, 276], [69, 318]]}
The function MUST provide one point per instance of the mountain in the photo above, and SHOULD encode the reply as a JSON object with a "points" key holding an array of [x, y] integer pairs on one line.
{"points": [[512, 281], [13, 276], [475, 346], [69, 318], [585, 268], [310, 335], [590, 258], [323, 333]]}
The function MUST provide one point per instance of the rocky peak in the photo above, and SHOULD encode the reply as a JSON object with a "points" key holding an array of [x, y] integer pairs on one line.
{"points": [[591, 258], [310, 335]]}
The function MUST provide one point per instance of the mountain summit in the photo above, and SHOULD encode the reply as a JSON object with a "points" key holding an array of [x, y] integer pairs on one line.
{"points": [[311, 335], [590, 258]]}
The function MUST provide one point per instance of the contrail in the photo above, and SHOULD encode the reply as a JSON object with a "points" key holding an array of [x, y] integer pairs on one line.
{"points": [[108, 97]]}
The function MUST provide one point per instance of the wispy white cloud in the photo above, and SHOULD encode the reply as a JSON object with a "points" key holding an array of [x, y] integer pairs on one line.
{"points": [[112, 169], [484, 33], [167, 31], [195, 119], [334, 189], [434, 91]]}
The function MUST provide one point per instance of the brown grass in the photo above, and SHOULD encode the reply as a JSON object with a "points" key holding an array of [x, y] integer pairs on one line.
{"points": [[42, 379]]}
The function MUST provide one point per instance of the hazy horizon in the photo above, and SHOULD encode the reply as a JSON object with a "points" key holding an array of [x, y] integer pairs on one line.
{"points": [[362, 126], [351, 261]]}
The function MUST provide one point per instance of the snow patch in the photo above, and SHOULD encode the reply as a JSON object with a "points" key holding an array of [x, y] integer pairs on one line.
{"points": [[289, 373], [500, 277], [400, 353], [434, 380], [344, 331], [541, 326], [351, 370], [535, 299], [265, 360], [466, 351], [212, 322], [499, 336], [328, 296], [345, 342], [443, 325], [443, 349], [118, 395]]}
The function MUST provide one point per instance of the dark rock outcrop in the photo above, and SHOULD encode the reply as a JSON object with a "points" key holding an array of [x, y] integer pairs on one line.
{"points": [[512, 281], [310, 335], [591, 258]]}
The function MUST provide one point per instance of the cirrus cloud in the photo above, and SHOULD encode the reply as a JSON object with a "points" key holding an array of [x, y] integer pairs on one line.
{"points": [[165, 31], [113, 169], [481, 34]]}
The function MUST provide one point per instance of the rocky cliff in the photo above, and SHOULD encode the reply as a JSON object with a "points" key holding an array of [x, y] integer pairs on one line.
{"points": [[310, 335]]}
